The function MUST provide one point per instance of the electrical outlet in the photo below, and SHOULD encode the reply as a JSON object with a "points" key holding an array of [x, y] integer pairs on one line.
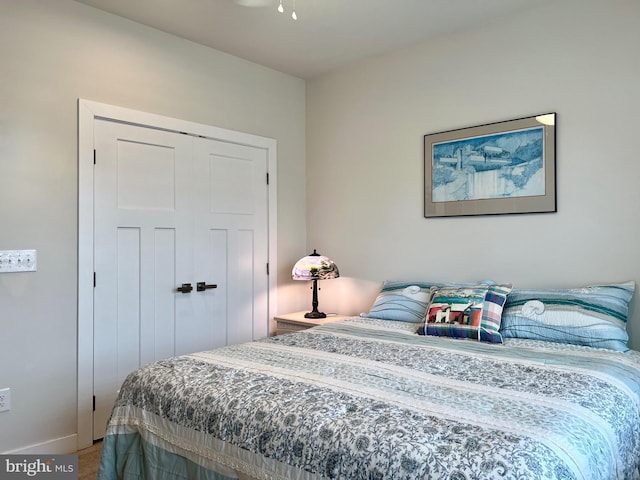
{"points": [[18, 261], [5, 399]]}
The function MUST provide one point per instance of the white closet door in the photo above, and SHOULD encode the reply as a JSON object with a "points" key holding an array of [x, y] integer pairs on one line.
{"points": [[143, 249], [174, 209], [231, 238]]}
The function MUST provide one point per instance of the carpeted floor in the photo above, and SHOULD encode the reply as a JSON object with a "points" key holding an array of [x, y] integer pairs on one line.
{"points": [[88, 460]]}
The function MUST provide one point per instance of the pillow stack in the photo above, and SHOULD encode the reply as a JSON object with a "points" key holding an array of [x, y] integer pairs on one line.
{"points": [[463, 310], [594, 316]]}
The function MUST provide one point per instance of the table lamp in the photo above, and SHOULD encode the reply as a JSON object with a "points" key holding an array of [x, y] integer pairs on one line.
{"points": [[315, 267]]}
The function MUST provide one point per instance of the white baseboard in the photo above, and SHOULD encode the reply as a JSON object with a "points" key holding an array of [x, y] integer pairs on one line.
{"points": [[57, 446]]}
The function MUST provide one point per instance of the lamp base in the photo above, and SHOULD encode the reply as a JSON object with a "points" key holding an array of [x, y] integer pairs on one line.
{"points": [[315, 314]]}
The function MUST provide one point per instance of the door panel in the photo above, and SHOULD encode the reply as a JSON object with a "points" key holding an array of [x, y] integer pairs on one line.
{"points": [[143, 237], [161, 325], [216, 300], [234, 218], [231, 183], [137, 189], [128, 305], [243, 330], [171, 209]]}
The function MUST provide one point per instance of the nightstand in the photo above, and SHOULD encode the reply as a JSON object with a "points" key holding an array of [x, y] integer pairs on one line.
{"points": [[294, 322]]}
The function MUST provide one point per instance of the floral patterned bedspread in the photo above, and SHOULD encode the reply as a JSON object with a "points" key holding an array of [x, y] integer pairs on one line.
{"points": [[370, 399]]}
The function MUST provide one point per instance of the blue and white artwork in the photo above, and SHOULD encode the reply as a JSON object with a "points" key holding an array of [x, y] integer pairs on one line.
{"points": [[501, 165]]}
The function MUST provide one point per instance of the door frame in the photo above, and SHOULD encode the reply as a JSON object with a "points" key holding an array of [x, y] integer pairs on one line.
{"points": [[88, 112]]}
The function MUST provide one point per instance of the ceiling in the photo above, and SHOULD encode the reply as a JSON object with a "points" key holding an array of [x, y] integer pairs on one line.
{"points": [[328, 33]]}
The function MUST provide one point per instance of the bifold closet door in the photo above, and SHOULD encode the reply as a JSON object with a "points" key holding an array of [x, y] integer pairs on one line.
{"points": [[231, 239], [173, 211]]}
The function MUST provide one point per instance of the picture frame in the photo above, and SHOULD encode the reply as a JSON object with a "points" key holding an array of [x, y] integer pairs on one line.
{"points": [[492, 169]]}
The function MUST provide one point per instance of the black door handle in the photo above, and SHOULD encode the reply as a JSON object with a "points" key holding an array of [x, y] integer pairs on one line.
{"points": [[202, 286], [185, 288]]}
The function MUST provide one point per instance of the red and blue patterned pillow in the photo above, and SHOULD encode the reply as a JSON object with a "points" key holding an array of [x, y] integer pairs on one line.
{"points": [[472, 312]]}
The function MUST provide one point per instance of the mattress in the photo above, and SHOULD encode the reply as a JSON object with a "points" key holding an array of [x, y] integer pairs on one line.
{"points": [[371, 399]]}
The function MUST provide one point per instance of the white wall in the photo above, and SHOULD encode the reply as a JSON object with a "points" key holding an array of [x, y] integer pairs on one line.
{"points": [[365, 128], [52, 53]]}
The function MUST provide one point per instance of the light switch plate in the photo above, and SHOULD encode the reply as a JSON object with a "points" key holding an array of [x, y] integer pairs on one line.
{"points": [[18, 261]]}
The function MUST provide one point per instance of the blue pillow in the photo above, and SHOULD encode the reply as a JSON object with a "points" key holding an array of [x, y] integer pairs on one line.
{"points": [[595, 316], [401, 301]]}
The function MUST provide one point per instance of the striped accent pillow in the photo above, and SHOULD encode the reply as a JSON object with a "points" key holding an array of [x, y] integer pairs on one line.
{"points": [[468, 312], [401, 301], [595, 316]]}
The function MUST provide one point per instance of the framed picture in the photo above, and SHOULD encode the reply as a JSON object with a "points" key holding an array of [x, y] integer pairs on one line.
{"points": [[497, 168]]}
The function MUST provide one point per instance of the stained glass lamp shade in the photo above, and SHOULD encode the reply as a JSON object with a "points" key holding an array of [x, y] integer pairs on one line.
{"points": [[315, 267]]}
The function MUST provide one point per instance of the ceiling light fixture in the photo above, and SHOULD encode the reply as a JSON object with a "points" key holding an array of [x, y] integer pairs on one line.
{"points": [[293, 11], [265, 3]]}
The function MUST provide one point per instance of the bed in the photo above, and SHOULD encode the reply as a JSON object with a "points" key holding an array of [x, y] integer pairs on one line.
{"points": [[369, 398]]}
